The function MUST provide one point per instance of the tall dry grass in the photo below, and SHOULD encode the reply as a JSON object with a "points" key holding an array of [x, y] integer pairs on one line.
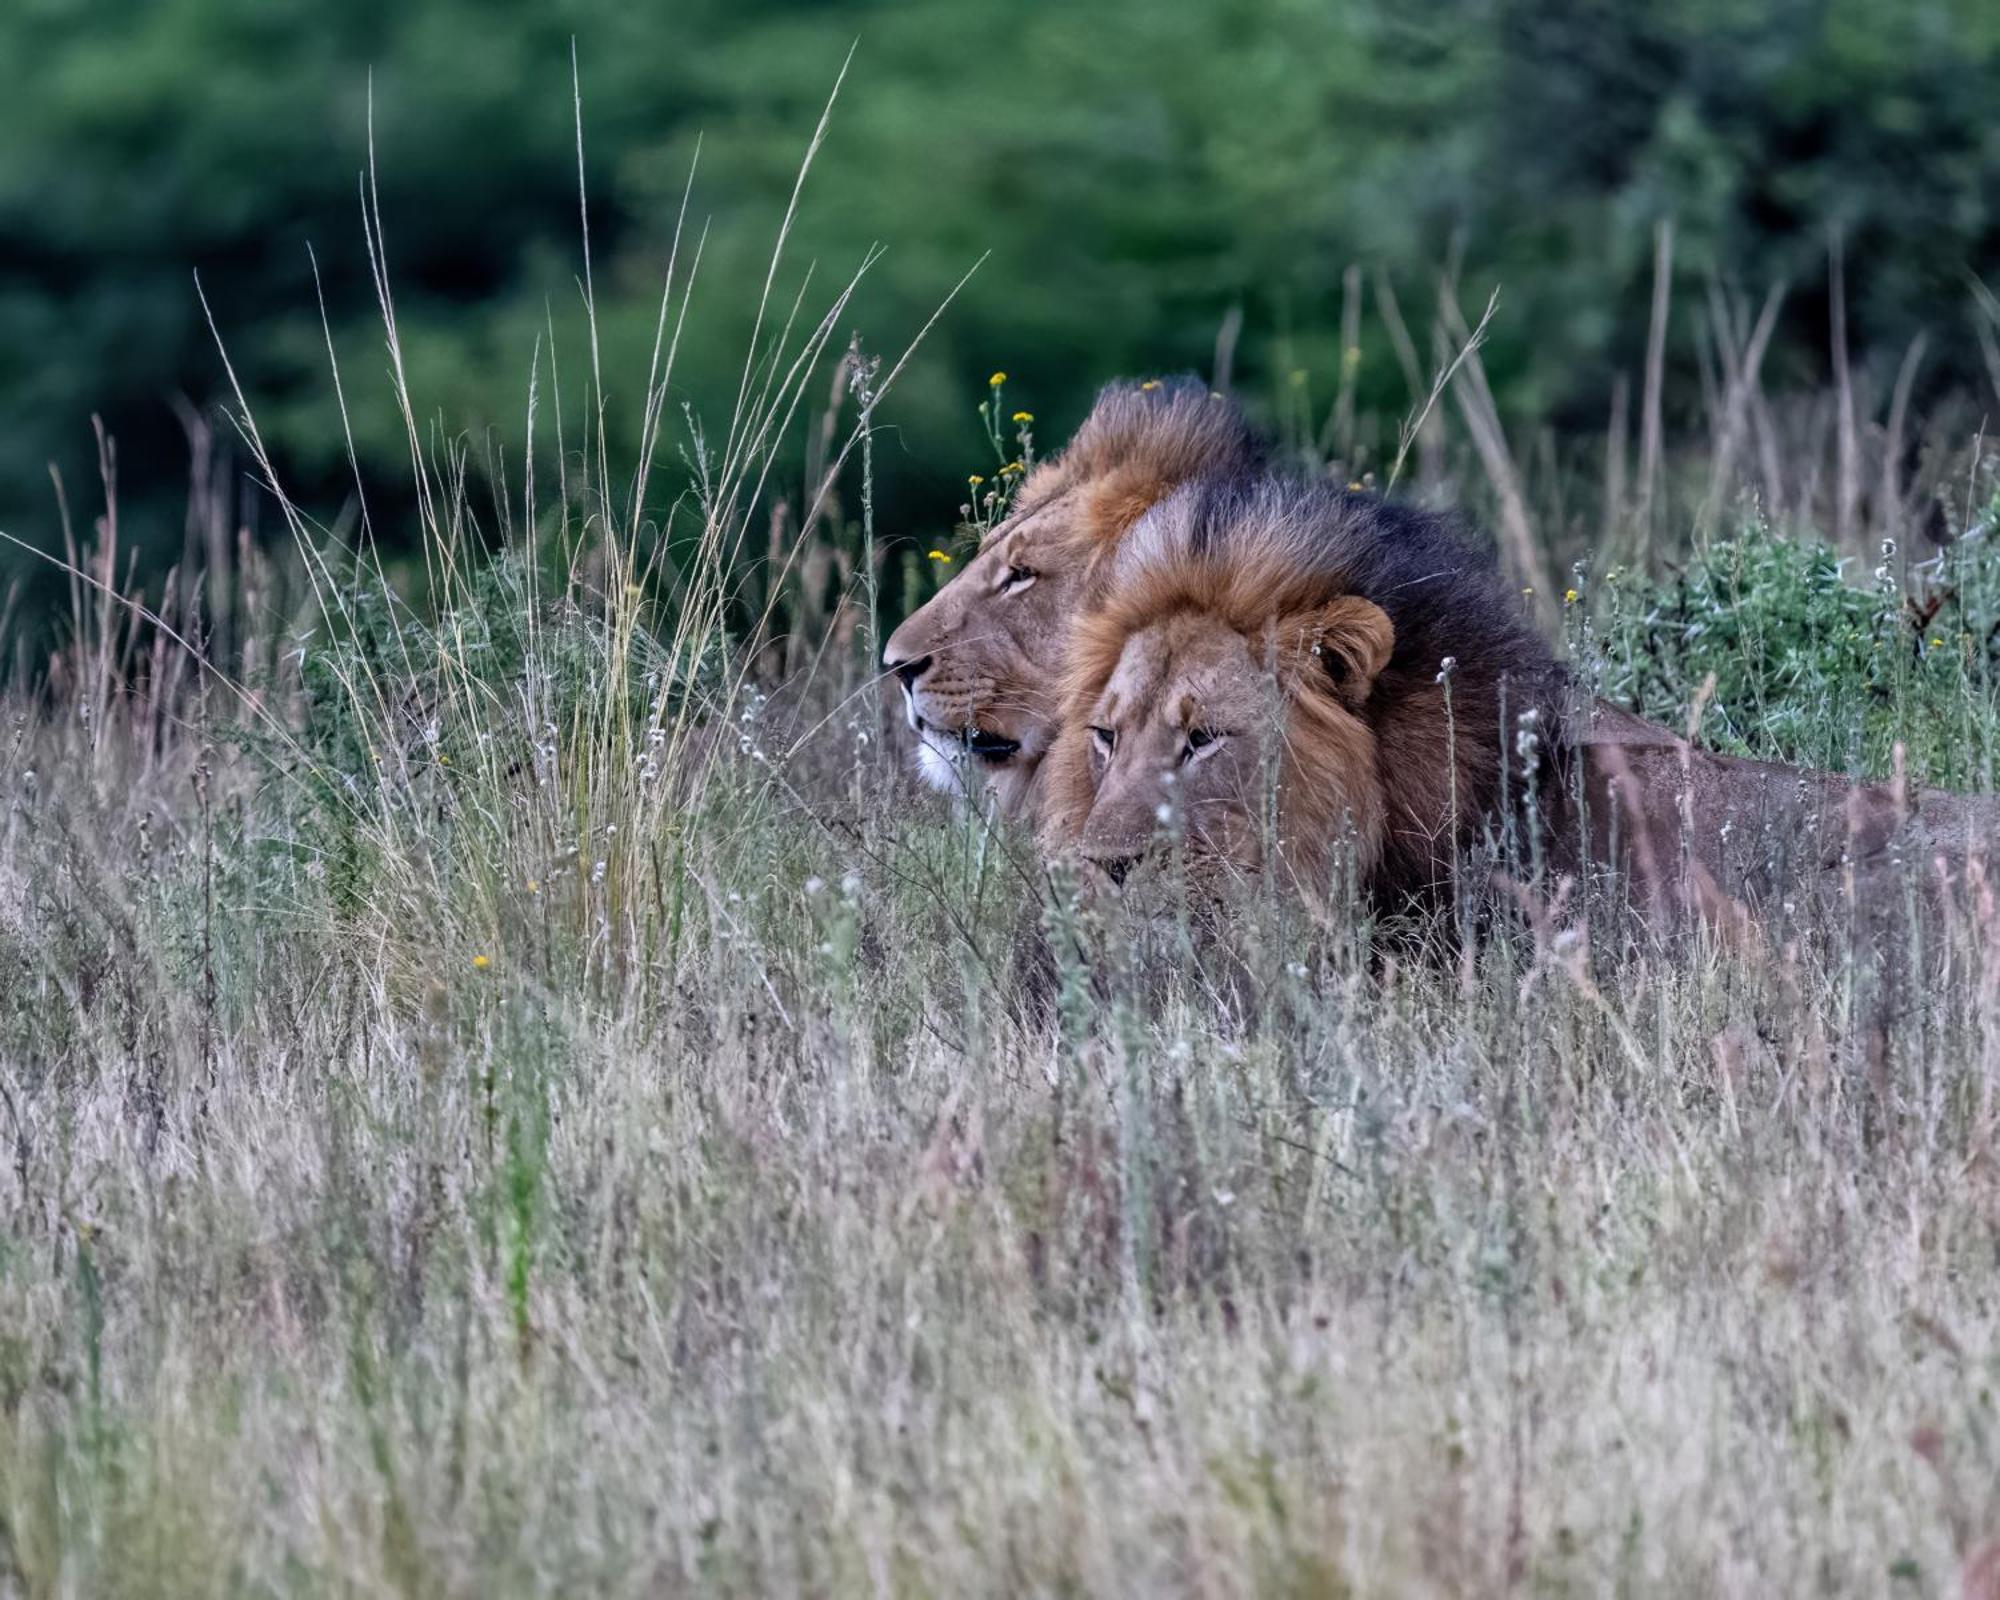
{"points": [[498, 1101]]}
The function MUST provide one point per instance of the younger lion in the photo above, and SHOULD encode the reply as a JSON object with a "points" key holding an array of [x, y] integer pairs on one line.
{"points": [[980, 662], [1354, 651]]}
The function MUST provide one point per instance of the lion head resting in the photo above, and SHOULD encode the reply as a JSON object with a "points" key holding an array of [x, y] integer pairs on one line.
{"points": [[980, 662], [1292, 639]]}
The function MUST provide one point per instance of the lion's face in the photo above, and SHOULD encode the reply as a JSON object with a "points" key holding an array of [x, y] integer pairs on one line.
{"points": [[1194, 721], [1180, 734], [979, 662]]}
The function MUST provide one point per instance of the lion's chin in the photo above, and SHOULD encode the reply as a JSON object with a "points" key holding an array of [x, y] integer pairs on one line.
{"points": [[962, 770], [938, 769], [958, 764]]}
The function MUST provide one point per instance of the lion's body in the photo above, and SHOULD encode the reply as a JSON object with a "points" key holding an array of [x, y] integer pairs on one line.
{"points": [[1697, 835], [1171, 577], [981, 660]]}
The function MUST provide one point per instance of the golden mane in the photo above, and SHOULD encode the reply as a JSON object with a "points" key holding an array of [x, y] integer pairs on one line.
{"points": [[1139, 443]]}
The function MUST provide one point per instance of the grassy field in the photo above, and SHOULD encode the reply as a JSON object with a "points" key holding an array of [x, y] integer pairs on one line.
{"points": [[495, 1104]]}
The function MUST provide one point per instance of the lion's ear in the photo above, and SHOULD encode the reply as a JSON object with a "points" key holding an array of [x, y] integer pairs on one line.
{"points": [[1342, 646]]}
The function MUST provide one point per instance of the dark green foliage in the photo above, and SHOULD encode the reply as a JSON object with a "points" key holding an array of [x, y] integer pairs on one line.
{"points": [[1135, 170]]}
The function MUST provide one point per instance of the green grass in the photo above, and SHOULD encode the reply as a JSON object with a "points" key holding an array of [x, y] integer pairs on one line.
{"points": [[1813, 662]]}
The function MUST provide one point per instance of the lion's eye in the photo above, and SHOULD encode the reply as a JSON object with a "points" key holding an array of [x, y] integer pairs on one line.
{"points": [[1106, 739], [1016, 579], [1198, 740]]}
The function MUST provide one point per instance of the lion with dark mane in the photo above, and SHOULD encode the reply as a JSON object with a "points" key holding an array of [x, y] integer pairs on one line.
{"points": [[980, 662], [1287, 667], [1354, 658]]}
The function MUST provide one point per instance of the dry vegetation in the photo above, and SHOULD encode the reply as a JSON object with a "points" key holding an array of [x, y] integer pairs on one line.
{"points": [[494, 1105]]}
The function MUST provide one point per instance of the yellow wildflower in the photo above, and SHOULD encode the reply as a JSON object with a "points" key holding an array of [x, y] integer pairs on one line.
{"points": [[1150, 383], [996, 380], [481, 963], [1024, 417], [939, 555], [975, 480], [1569, 597], [1010, 469]]}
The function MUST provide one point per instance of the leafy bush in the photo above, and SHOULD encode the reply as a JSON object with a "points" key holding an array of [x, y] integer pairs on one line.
{"points": [[1814, 663]]}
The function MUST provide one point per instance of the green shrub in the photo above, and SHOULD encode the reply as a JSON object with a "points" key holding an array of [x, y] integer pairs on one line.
{"points": [[1815, 662]]}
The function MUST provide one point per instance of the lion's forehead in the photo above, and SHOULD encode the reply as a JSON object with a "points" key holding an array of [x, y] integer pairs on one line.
{"points": [[1140, 674], [1030, 530], [968, 620], [1184, 667]]}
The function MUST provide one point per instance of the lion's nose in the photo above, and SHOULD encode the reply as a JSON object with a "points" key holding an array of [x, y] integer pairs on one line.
{"points": [[1114, 867], [909, 669]]}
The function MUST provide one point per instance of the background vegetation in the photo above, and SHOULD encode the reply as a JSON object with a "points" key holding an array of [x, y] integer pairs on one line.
{"points": [[1135, 175]]}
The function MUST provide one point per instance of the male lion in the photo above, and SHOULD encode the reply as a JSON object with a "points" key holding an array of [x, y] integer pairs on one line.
{"points": [[1291, 641], [1356, 651], [980, 662]]}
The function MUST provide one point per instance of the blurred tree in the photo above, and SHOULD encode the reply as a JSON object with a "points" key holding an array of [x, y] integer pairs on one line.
{"points": [[1135, 169]]}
